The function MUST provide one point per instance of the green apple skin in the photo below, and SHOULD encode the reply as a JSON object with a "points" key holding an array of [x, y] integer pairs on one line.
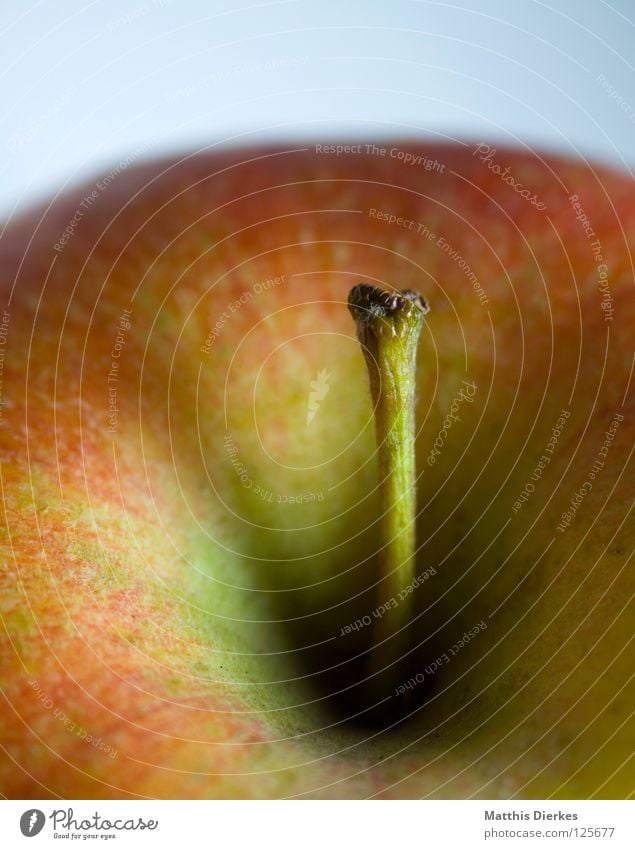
{"points": [[184, 556]]}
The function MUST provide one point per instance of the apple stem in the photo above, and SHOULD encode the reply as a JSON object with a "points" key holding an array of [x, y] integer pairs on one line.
{"points": [[388, 327]]}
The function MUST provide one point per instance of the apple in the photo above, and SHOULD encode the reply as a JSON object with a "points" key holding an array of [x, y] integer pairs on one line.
{"points": [[192, 511]]}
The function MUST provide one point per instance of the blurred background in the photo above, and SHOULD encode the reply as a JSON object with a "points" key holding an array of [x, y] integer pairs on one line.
{"points": [[90, 85]]}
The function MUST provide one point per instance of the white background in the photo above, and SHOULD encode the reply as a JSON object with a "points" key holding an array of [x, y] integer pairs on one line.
{"points": [[371, 825], [85, 84]]}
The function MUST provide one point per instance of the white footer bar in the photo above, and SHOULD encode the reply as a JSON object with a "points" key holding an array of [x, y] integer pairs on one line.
{"points": [[317, 824]]}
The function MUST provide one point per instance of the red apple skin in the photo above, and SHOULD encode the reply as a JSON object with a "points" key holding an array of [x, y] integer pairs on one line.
{"points": [[123, 550]]}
